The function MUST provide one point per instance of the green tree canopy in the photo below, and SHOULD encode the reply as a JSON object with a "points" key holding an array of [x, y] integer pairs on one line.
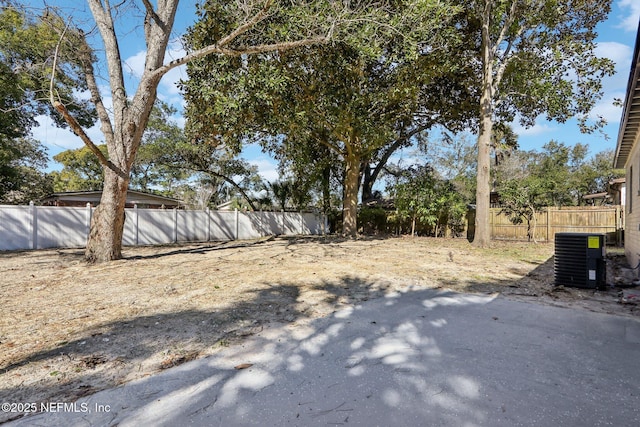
{"points": [[27, 49], [532, 58], [423, 197], [350, 97], [28, 46], [81, 170], [22, 161]]}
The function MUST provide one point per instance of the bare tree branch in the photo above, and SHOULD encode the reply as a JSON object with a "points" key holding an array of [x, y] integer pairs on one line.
{"points": [[149, 7], [262, 14], [237, 52], [73, 123]]}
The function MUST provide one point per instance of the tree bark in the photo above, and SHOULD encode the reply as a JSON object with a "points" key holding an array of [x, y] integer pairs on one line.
{"points": [[326, 190], [372, 174], [413, 226], [482, 228], [107, 223], [367, 183], [350, 197], [482, 235]]}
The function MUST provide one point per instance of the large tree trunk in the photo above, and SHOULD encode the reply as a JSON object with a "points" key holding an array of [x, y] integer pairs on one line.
{"points": [[482, 228], [350, 197], [482, 235], [326, 190], [367, 184], [107, 224]]}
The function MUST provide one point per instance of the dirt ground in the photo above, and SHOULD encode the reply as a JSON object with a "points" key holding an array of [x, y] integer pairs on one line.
{"points": [[69, 329]]}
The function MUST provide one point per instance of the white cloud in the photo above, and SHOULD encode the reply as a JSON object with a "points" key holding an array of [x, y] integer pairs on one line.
{"points": [[57, 139], [134, 65], [54, 137], [621, 55], [607, 110], [630, 15], [167, 89], [618, 52], [180, 121], [168, 82], [267, 168], [537, 129]]}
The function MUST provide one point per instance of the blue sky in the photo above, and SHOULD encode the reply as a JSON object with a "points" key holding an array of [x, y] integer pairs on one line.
{"points": [[616, 41]]}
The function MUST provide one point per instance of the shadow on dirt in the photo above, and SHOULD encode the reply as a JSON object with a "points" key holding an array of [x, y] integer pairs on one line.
{"points": [[203, 248], [539, 286], [97, 361]]}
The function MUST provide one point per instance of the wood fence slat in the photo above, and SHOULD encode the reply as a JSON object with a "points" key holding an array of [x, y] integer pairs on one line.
{"points": [[549, 221]]}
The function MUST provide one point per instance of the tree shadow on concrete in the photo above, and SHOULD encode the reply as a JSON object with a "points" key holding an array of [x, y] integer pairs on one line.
{"points": [[98, 354], [396, 351], [417, 357], [98, 360]]}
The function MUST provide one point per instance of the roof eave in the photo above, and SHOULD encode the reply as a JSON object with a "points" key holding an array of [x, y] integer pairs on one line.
{"points": [[630, 121]]}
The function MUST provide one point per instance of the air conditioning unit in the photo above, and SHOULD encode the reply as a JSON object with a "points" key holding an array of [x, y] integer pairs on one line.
{"points": [[580, 260]]}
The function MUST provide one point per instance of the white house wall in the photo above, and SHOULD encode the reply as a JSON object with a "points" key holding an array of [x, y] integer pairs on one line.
{"points": [[632, 202]]}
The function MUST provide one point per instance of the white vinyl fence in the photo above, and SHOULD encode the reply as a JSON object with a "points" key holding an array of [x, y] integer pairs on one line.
{"points": [[40, 227]]}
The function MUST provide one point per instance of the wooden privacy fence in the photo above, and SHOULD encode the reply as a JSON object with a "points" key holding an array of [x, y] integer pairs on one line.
{"points": [[607, 220]]}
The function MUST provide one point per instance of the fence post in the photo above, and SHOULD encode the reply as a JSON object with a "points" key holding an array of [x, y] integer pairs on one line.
{"points": [[208, 211], [548, 223], [237, 227], [618, 228], [33, 222], [136, 226], [175, 225], [87, 218], [492, 225]]}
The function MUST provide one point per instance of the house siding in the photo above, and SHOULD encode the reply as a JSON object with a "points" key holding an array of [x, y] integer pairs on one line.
{"points": [[632, 220]]}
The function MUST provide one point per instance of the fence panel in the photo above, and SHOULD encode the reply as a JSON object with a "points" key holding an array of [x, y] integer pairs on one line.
{"points": [[272, 223], [61, 227], [156, 226], [130, 232], [192, 226], [549, 221], [291, 223], [261, 222], [313, 223], [15, 227], [248, 226], [222, 225], [31, 227]]}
